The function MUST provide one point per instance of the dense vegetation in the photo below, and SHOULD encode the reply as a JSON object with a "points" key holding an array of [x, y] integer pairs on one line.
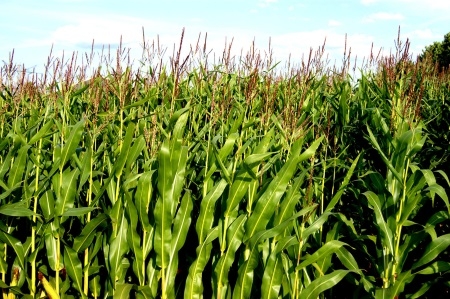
{"points": [[439, 52], [230, 180]]}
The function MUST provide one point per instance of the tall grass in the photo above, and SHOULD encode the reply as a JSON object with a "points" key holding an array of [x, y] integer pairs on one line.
{"points": [[227, 179]]}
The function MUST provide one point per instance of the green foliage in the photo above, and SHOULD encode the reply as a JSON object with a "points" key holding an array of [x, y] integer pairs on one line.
{"points": [[231, 181], [439, 52]]}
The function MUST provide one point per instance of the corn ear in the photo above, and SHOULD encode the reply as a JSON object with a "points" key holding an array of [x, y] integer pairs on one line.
{"points": [[51, 292], [14, 281]]}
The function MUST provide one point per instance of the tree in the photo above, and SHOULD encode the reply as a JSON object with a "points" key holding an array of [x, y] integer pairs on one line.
{"points": [[439, 52]]}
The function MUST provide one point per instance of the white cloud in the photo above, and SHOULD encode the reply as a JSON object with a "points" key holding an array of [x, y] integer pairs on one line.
{"points": [[416, 4], [265, 3], [368, 2], [423, 34], [435, 4], [334, 23], [383, 16]]}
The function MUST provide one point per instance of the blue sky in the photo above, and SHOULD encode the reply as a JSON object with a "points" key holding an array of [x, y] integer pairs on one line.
{"points": [[32, 27]]}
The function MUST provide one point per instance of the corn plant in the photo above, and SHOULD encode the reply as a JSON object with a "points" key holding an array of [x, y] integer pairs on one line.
{"points": [[223, 179]]}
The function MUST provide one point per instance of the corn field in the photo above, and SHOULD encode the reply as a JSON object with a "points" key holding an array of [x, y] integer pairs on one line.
{"points": [[193, 179]]}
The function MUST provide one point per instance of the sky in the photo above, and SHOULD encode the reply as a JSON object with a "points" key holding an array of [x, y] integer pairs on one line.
{"points": [[33, 27]]}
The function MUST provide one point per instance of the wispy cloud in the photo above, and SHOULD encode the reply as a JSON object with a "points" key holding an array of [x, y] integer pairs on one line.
{"points": [[426, 34], [416, 4], [334, 23], [383, 16], [265, 3], [108, 29], [368, 2], [435, 4]]}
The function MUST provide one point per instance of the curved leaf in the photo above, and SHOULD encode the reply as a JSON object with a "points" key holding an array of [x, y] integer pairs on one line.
{"points": [[235, 233], [323, 283], [434, 248], [73, 268], [194, 283], [207, 206], [322, 252], [82, 241]]}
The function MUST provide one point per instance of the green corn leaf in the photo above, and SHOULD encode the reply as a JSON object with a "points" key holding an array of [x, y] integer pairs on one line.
{"points": [[73, 268], [273, 271], [16, 245], [348, 260], [238, 121], [178, 160], [444, 175], [267, 203], [51, 246], [316, 225], [423, 289], [222, 154], [18, 167], [343, 186], [144, 292], [385, 231], [10, 190], [277, 230], [171, 176], [438, 217], [179, 118], [278, 125], [207, 207], [309, 151], [235, 233], [238, 189], [125, 150], [434, 268], [291, 199], [255, 159], [79, 91], [77, 211], [134, 241], [374, 142], [323, 283], [194, 284], [72, 142], [165, 176], [441, 192], [163, 233], [433, 249], [85, 169], [395, 290], [134, 152], [251, 163], [322, 252], [16, 210], [41, 133], [245, 273], [243, 179], [67, 191], [123, 290], [181, 225], [225, 172], [153, 276], [273, 276], [118, 248], [82, 241], [4, 166], [136, 104], [143, 197]]}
